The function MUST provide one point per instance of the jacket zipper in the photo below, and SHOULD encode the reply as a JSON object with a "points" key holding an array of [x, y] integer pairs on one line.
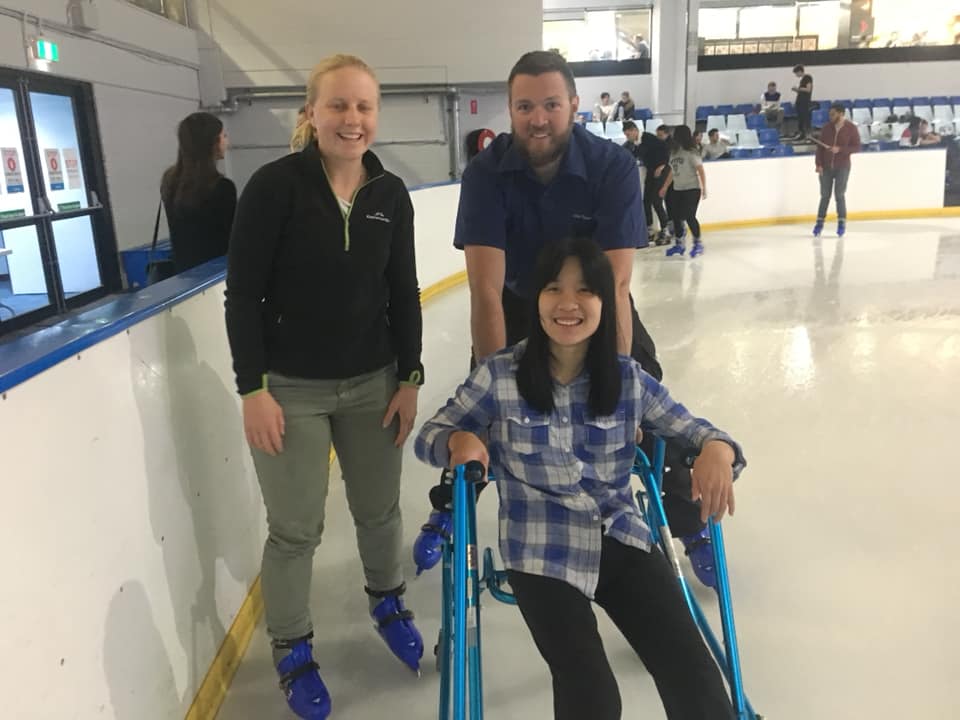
{"points": [[346, 213]]}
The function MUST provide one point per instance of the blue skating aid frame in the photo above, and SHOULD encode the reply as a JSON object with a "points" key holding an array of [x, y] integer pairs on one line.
{"points": [[459, 657]]}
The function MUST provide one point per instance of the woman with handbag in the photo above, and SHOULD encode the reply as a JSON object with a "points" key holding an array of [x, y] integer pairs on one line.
{"points": [[199, 200], [323, 315]]}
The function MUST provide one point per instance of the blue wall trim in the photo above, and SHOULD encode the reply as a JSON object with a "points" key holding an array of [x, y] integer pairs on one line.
{"points": [[28, 356]]}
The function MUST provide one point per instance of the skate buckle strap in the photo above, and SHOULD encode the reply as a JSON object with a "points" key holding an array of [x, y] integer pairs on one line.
{"points": [[380, 594], [699, 542], [289, 644], [436, 529], [287, 680], [390, 619]]}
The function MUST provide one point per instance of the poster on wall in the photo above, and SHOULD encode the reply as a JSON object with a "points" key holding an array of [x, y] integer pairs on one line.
{"points": [[54, 168], [72, 165], [12, 174]]}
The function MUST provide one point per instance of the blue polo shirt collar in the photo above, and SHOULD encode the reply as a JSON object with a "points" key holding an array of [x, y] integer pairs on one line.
{"points": [[572, 162]]}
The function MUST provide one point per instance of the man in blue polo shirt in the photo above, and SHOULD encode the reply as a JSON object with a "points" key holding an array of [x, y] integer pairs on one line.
{"points": [[546, 180]]}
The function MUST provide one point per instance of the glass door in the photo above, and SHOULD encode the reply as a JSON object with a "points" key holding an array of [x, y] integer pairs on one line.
{"points": [[56, 235], [67, 202], [26, 289]]}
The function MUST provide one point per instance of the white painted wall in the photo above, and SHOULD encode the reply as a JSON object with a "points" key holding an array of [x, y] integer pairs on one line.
{"points": [[134, 527], [412, 140], [831, 82], [419, 41], [139, 99], [778, 187]]}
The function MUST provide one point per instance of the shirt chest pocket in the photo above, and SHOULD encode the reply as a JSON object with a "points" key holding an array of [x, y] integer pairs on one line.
{"points": [[607, 435], [527, 434]]}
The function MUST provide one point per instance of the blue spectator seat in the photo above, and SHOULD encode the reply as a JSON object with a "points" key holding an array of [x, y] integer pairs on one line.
{"points": [[726, 110], [819, 118], [643, 114], [862, 103], [705, 111], [920, 100], [756, 122], [768, 137], [745, 109], [788, 109]]}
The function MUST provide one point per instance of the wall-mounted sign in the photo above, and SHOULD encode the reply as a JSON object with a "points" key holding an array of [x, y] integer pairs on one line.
{"points": [[54, 168], [46, 50], [12, 175], [72, 164]]}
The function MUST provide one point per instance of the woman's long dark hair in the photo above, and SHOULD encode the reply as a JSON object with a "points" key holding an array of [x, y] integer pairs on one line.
{"points": [[915, 123], [195, 173], [683, 138], [534, 379]]}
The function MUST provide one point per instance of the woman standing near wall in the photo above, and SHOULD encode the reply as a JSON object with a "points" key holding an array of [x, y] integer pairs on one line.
{"points": [[324, 320], [199, 201]]}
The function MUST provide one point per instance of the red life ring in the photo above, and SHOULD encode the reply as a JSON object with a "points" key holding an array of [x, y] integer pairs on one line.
{"points": [[478, 140]]}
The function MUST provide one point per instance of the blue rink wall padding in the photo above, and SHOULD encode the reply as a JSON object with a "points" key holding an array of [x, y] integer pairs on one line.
{"points": [[135, 261], [30, 355]]}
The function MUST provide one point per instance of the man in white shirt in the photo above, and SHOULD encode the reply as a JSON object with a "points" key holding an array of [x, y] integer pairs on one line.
{"points": [[604, 109], [770, 106], [717, 147]]}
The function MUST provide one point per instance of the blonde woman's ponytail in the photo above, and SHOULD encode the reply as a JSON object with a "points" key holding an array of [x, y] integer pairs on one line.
{"points": [[303, 133]]}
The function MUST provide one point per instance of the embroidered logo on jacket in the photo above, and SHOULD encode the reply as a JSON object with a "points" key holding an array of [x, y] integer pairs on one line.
{"points": [[379, 217]]}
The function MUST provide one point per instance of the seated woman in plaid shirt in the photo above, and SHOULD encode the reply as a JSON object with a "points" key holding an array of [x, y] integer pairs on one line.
{"points": [[561, 410]]}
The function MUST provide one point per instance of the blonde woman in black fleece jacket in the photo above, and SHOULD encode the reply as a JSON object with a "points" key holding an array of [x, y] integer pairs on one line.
{"points": [[323, 315]]}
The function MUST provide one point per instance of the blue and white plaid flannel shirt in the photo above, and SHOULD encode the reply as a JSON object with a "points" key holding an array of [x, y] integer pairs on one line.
{"points": [[563, 478]]}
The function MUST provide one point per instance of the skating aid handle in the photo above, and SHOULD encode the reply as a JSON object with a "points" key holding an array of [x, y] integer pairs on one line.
{"points": [[474, 472]]}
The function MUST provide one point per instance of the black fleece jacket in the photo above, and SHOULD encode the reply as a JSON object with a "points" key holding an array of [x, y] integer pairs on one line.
{"points": [[317, 292]]}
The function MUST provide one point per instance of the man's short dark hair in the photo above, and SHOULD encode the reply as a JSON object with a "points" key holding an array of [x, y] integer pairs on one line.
{"points": [[604, 95], [540, 62], [798, 68], [711, 131], [839, 107], [629, 125]]}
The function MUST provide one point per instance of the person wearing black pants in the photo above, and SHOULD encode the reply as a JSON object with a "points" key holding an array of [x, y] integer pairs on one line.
{"points": [[653, 153], [638, 592], [688, 185], [804, 103]]}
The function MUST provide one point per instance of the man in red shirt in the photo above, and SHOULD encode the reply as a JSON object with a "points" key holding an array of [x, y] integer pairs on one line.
{"points": [[838, 139]]}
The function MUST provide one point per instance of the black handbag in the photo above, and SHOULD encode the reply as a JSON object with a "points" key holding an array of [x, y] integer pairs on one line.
{"points": [[158, 269]]}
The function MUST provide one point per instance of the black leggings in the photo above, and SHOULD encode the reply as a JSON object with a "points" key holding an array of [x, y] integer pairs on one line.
{"points": [[683, 209], [640, 594]]}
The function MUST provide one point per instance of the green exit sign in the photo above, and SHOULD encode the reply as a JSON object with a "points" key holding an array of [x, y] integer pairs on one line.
{"points": [[48, 51]]}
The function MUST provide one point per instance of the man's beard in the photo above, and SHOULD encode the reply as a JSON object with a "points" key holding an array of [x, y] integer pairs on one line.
{"points": [[558, 146]]}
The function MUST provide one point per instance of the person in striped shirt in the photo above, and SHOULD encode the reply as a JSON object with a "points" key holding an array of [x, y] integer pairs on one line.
{"points": [[560, 411]]}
